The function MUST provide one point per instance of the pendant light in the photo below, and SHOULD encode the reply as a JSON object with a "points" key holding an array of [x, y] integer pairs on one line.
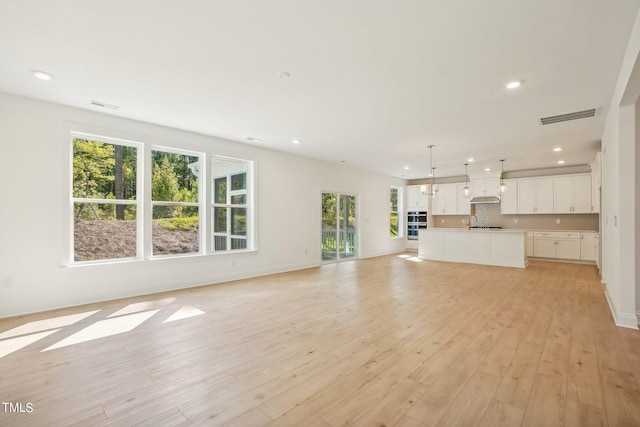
{"points": [[503, 185], [466, 190], [434, 188]]}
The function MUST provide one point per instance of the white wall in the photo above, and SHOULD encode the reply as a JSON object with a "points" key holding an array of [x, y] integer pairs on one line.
{"points": [[35, 228], [620, 191], [637, 208]]}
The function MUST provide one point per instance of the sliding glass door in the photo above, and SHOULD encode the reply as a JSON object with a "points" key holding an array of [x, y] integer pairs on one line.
{"points": [[339, 240]]}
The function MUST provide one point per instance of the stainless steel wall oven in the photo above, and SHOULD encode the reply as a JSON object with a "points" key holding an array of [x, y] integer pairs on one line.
{"points": [[416, 220]]}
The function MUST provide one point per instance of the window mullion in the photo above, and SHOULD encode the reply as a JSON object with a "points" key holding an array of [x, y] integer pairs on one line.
{"points": [[228, 207], [147, 226]]}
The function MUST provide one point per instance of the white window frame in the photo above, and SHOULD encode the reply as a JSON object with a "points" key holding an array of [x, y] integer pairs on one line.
{"points": [[138, 202], [399, 212], [200, 204], [248, 205], [144, 203]]}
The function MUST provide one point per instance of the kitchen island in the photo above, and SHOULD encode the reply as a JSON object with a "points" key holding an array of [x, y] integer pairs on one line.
{"points": [[506, 248]]}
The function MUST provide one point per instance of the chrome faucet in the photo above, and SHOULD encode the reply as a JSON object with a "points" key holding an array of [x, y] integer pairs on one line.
{"points": [[469, 221]]}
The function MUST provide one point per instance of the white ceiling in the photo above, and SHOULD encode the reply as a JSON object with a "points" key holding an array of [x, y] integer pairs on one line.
{"points": [[373, 82]]}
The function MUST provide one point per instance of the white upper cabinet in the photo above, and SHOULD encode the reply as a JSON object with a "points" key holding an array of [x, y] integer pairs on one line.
{"points": [[445, 202], [416, 201], [485, 186], [535, 195], [509, 199], [463, 207], [572, 194]]}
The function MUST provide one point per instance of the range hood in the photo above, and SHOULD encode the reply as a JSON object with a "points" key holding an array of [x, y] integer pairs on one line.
{"points": [[484, 199]]}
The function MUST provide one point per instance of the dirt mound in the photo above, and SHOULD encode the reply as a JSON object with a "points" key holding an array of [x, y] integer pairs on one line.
{"points": [[117, 239]]}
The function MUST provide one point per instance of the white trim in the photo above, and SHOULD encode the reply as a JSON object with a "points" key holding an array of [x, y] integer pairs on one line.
{"points": [[186, 284], [356, 196], [138, 202], [399, 212], [246, 168], [163, 203], [620, 319]]}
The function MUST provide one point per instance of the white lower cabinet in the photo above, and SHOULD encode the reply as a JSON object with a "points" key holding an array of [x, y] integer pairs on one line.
{"points": [[544, 244], [529, 243], [561, 244], [570, 245]]}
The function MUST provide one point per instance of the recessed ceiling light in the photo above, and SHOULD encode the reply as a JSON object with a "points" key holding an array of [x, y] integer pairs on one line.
{"points": [[252, 139], [487, 169], [561, 162], [514, 84], [471, 160], [42, 75], [296, 141], [283, 75], [557, 149], [406, 168]]}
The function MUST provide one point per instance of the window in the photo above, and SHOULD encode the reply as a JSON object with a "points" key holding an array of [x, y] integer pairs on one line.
{"points": [[395, 212], [231, 207], [111, 218], [104, 197], [175, 202]]}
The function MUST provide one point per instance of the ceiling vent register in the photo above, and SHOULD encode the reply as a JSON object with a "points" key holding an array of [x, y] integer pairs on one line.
{"points": [[569, 116], [104, 105]]}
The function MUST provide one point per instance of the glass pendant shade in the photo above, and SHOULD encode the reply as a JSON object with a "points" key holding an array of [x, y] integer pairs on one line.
{"points": [[434, 188], [503, 186], [466, 191]]}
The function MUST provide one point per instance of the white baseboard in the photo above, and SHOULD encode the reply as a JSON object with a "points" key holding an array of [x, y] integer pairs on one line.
{"points": [[620, 319]]}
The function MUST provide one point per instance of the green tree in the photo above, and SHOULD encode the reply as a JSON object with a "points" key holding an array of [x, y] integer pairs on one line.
{"points": [[164, 187], [93, 164], [393, 231]]}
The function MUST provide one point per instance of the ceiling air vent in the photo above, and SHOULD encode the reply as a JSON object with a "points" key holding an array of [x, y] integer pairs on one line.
{"points": [[104, 105], [569, 116]]}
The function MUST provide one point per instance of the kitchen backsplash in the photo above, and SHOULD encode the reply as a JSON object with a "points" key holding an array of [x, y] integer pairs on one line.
{"points": [[488, 217]]}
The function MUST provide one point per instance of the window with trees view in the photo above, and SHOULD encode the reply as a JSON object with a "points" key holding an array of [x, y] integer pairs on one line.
{"points": [[105, 203], [394, 203], [175, 202], [230, 207], [108, 209]]}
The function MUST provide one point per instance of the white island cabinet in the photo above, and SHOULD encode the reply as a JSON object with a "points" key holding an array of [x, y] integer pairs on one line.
{"points": [[506, 248]]}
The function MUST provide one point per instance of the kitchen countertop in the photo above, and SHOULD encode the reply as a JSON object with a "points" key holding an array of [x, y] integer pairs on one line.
{"points": [[512, 230], [480, 230]]}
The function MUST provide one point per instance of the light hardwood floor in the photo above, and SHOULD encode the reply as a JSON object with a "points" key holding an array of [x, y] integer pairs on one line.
{"points": [[375, 342]]}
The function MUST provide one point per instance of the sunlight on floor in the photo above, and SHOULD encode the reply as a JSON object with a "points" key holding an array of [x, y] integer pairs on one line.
{"points": [[143, 306], [43, 325], [124, 320], [105, 328], [15, 344], [184, 313], [411, 258]]}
